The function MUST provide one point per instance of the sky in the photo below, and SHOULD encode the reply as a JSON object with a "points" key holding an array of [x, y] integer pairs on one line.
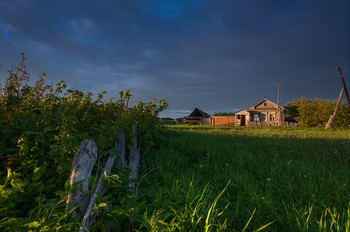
{"points": [[216, 55]]}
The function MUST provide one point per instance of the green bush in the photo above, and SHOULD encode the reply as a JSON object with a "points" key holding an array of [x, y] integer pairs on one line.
{"points": [[41, 127], [316, 112]]}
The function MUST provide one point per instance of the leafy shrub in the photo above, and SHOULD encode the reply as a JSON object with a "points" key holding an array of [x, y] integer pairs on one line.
{"points": [[41, 127], [316, 112]]}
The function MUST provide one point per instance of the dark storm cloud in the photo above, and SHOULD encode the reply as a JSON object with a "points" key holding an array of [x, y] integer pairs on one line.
{"points": [[218, 55]]}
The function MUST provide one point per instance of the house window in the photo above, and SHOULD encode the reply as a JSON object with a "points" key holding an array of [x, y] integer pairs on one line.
{"points": [[256, 117], [272, 117], [265, 104], [238, 116]]}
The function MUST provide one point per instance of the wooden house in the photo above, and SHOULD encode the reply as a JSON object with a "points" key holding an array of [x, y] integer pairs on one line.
{"points": [[197, 117], [267, 112], [263, 113]]}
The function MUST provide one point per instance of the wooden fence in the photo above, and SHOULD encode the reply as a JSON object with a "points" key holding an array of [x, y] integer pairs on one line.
{"points": [[83, 200], [269, 124]]}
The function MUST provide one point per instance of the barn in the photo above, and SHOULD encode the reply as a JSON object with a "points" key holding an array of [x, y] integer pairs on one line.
{"points": [[197, 117]]}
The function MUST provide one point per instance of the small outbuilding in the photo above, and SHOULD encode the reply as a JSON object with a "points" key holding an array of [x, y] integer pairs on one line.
{"points": [[197, 117]]}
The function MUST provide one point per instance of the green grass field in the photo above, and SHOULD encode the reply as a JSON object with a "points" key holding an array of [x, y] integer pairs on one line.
{"points": [[209, 178]]}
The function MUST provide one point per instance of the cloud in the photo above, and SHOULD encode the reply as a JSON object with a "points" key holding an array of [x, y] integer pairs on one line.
{"points": [[209, 53], [83, 26]]}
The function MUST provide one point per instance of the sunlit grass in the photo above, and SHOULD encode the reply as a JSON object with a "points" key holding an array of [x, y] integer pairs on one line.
{"points": [[296, 178]]}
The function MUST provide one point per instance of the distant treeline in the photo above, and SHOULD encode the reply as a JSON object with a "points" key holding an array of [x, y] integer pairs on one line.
{"points": [[224, 114], [316, 112]]}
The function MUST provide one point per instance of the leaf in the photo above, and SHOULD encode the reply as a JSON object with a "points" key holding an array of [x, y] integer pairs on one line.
{"points": [[102, 205], [5, 193], [34, 224], [59, 193], [84, 135], [50, 186], [9, 172], [113, 151], [38, 172], [246, 225], [48, 128], [17, 184]]}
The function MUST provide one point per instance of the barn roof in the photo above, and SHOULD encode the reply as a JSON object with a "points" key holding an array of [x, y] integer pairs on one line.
{"points": [[199, 113]]}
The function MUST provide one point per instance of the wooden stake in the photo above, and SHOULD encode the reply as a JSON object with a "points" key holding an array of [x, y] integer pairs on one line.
{"points": [[331, 119]]}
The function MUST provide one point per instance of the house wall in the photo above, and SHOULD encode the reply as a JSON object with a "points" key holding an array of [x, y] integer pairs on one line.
{"points": [[239, 118], [267, 116], [223, 120], [197, 120], [266, 105]]}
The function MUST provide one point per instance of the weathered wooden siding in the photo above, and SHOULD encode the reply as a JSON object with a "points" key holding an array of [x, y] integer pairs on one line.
{"points": [[193, 120], [206, 121], [179, 120]]}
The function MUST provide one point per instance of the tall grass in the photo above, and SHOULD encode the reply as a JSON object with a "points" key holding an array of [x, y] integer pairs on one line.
{"points": [[233, 179], [207, 178]]}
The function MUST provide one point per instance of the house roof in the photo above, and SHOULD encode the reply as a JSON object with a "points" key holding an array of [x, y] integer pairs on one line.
{"points": [[199, 113], [240, 111], [269, 108], [227, 116]]}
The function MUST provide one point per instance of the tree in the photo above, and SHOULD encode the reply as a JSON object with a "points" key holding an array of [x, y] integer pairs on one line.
{"points": [[316, 112]]}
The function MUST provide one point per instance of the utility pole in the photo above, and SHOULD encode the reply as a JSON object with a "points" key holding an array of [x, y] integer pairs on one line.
{"points": [[278, 94], [332, 117], [344, 85]]}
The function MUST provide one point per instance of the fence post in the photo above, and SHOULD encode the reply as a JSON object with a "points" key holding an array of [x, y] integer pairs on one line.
{"points": [[120, 145], [88, 217], [134, 158], [82, 165]]}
